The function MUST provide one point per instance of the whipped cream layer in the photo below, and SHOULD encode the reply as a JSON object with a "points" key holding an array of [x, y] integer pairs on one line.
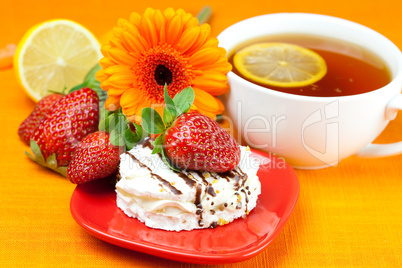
{"points": [[161, 198]]}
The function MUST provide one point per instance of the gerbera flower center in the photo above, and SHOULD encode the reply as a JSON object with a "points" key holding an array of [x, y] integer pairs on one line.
{"points": [[163, 75], [162, 65]]}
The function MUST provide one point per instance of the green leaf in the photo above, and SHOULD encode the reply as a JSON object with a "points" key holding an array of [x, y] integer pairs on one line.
{"points": [[90, 77], [51, 161], [37, 153], [169, 103], [121, 123], [62, 170], [167, 161], [158, 144], [102, 124], [168, 118], [91, 82], [139, 131], [104, 119], [115, 121], [183, 100], [78, 87], [152, 121], [130, 139], [107, 123], [116, 138]]}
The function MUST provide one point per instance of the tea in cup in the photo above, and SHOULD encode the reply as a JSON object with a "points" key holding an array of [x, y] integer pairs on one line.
{"points": [[338, 116]]}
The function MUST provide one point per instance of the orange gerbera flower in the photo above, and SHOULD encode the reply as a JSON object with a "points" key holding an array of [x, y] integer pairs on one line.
{"points": [[162, 47]]}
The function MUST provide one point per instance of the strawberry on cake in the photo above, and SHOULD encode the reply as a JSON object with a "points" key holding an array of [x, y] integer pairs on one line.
{"points": [[194, 175], [190, 199]]}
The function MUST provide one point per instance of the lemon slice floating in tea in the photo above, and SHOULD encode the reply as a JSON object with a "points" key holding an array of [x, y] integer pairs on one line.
{"points": [[53, 55], [280, 64]]}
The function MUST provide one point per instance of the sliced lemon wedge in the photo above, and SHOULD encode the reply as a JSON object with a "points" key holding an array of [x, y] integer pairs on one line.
{"points": [[280, 64], [54, 55]]}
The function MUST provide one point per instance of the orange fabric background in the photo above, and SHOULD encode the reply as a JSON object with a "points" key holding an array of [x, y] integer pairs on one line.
{"points": [[350, 215]]}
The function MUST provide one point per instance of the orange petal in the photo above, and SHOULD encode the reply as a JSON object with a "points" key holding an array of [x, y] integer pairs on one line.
{"points": [[190, 22], [133, 30], [206, 56], [115, 42], [105, 85], [135, 18], [134, 118], [147, 29], [121, 22], [121, 56], [149, 12], [132, 44], [113, 91], [169, 13], [112, 103], [204, 100], [114, 69], [142, 105], [117, 31], [101, 76], [159, 20], [104, 49], [162, 35], [205, 31], [129, 111], [193, 107], [188, 38], [211, 86], [211, 42], [174, 29], [106, 62], [208, 113], [221, 65], [221, 106], [121, 80], [132, 97], [215, 76], [180, 12], [158, 108]]}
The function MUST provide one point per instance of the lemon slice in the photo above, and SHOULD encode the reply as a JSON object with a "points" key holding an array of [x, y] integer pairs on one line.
{"points": [[280, 64], [54, 55]]}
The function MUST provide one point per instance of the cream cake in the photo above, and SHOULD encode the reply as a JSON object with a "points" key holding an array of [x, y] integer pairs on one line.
{"points": [[164, 199]]}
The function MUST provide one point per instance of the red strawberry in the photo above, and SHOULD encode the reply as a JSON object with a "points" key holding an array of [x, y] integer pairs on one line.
{"points": [[71, 119], [189, 140], [29, 125], [94, 158], [197, 142]]}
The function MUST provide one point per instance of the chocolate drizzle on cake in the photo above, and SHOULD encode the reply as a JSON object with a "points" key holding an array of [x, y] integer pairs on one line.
{"points": [[146, 143], [210, 190], [245, 194], [155, 176], [199, 173], [167, 184], [237, 175], [203, 183], [198, 193], [187, 179]]}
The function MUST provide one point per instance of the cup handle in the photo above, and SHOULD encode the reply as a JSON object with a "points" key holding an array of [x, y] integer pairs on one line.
{"points": [[380, 150]]}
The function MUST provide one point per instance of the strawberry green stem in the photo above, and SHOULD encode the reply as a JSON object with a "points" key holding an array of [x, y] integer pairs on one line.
{"points": [[204, 14]]}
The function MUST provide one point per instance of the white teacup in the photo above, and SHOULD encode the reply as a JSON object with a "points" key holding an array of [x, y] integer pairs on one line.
{"points": [[313, 132]]}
